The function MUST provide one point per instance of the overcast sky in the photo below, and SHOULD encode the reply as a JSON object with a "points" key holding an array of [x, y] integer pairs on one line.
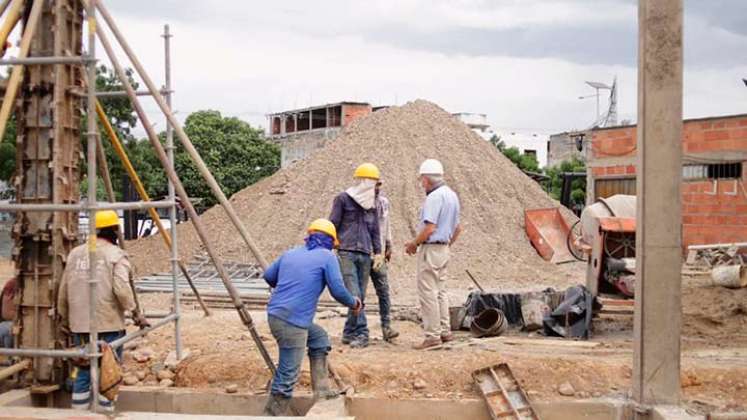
{"points": [[521, 62]]}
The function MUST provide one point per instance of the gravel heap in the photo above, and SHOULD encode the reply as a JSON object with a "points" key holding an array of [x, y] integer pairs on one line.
{"points": [[494, 194]]}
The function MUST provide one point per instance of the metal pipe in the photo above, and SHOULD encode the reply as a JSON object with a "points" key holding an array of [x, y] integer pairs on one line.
{"points": [[91, 199], [104, 172], [30, 61], [119, 205], [172, 195], [139, 333], [196, 221], [12, 370], [11, 20], [184, 139], [65, 354], [120, 151], [121, 93], [11, 90], [4, 6]]}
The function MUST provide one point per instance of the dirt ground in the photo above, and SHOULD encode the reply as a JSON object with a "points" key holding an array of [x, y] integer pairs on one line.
{"points": [[714, 359]]}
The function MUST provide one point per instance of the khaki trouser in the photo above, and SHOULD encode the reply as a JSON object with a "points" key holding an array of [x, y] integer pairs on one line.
{"points": [[434, 304]]}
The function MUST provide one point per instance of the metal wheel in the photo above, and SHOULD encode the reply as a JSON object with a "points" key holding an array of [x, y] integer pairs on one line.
{"points": [[619, 245], [573, 233]]}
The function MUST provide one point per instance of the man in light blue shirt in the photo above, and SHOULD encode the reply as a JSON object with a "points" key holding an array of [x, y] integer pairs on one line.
{"points": [[299, 276], [438, 229]]}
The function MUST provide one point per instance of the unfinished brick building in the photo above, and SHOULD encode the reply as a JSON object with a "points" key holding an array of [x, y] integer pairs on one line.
{"points": [[714, 196], [301, 131]]}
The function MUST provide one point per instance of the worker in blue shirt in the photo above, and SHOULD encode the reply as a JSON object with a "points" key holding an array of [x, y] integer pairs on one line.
{"points": [[299, 277]]}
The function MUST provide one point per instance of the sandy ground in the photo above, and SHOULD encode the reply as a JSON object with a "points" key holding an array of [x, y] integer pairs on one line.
{"points": [[714, 360]]}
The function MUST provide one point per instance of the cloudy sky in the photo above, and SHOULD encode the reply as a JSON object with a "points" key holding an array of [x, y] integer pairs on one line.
{"points": [[521, 62]]}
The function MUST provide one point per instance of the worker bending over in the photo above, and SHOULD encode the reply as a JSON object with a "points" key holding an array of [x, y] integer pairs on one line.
{"points": [[299, 277], [114, 298]]}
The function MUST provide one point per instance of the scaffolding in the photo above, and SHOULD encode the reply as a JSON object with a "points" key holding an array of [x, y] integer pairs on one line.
{"points": [[95, 152]]}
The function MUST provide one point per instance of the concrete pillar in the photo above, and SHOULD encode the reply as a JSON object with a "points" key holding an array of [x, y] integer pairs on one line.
{"points": [[658, 310]]}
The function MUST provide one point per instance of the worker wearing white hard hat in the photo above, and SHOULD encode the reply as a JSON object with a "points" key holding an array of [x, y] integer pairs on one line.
{"points": [[438, 229]]}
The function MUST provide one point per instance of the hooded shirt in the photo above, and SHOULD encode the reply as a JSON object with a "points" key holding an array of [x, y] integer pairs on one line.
{"points": [[354, 216]]}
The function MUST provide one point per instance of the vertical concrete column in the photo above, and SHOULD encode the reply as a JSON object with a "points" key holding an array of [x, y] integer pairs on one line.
{"points": [[658, 310]]}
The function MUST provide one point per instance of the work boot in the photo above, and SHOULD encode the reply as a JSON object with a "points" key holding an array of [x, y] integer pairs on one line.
{"points": [[428, 343], [346, 340], [359, 343], [277, 405], [320, 378], [445, 338], [389, 333]]}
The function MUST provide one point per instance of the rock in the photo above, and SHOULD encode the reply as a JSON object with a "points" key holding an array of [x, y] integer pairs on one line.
{"points": [[150, 382], [130, 380], [596, 394], [172, 362], [166, 383], [419, 384], [141, 374], [165, 374], [566, 389], [143, 354], [583, 394], [232, 389], [157, 367]]}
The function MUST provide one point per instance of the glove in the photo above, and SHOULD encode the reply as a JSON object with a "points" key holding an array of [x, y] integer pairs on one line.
{"points": [[378, 262]]}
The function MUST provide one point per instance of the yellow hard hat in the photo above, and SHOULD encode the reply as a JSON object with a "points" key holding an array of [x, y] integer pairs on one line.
{"points": [[367, 170], [324, 226], [106, 218]]}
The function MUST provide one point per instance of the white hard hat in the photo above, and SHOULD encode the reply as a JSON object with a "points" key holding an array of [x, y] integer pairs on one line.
{"points": [[431, 167]]}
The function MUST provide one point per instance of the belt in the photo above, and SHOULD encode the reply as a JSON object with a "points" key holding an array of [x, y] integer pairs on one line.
{"points": [[436, 243]]}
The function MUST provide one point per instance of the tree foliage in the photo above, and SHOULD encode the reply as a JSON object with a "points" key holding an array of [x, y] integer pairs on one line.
{"points": [[578, 186], [236, 154]]}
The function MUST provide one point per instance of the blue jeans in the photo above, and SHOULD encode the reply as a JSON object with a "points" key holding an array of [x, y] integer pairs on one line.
{"points": [[356, 269], [380, 282], [6, 334], [292, 341], [82, 382]]}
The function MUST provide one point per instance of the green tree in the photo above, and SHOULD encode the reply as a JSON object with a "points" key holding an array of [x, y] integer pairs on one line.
{"points": [[236, 154], [496, 141], [8, 151], [578, 186], [524, 161]]}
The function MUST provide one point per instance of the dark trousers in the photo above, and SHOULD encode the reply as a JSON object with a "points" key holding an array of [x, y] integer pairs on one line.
{"points": [[356, 269], [380, 282]]}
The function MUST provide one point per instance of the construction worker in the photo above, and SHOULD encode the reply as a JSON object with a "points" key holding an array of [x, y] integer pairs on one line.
{"points": [[438, 229], [379, 276], [7, 313], [114, 297], [354, 216], [298, 277]]}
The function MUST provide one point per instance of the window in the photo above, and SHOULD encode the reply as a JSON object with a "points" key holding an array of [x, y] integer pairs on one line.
{"points": [[531, 152], [712, 171]]}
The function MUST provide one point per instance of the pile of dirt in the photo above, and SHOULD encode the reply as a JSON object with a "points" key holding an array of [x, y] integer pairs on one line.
{"points": [[494, 194]]}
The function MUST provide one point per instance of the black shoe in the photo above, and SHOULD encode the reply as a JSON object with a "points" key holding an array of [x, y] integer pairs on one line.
{"points": [[389, 333], [277, 405], [346, 340]]}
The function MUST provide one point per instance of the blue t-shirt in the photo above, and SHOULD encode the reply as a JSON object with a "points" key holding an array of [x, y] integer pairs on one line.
{"points": [[441, 208], [299, 277]]}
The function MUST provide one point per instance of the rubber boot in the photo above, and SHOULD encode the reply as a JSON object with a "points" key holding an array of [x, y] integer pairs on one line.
{"points": [[277, 405], [320, 378]]}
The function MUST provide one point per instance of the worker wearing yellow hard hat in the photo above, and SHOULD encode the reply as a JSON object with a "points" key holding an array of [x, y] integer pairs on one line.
{"points": [[299, 277], [354, 215], [114, 298]]}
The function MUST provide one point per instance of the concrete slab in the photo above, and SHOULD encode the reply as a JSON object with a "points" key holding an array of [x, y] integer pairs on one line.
{"points": [[32, 413], [671, 412]]}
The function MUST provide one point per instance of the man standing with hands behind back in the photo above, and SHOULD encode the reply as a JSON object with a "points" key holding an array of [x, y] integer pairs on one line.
{"points": [[438, 229]]}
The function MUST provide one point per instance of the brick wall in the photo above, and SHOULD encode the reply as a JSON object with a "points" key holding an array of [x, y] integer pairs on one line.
{"points": [[713, 211], [353, 112]]}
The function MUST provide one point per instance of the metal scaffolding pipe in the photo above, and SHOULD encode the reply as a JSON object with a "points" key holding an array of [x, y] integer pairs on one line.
{"points": [[12, 370], [139, 333], [120, 151], [4, 6], [172, 195], [182, 193], [118, 205], [65, 354], [30, 61], [184, 139], [11, 90], [122, 93], [92, 136]]}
